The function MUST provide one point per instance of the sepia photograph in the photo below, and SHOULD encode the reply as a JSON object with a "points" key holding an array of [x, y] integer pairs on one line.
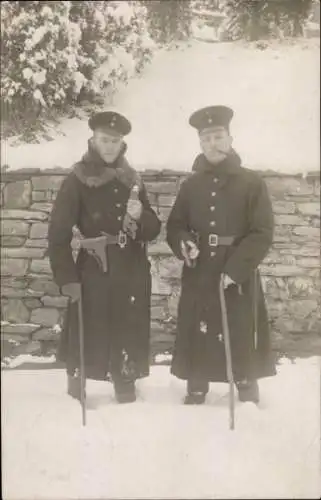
{"points": [[160, 249]]}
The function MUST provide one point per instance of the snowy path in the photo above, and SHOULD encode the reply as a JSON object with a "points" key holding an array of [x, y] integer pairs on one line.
{"points": [[158, 448], [275, 95]]}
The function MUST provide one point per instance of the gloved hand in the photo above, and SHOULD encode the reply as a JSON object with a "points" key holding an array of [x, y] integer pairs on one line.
{"points": [[134, 209], [72, 290]]}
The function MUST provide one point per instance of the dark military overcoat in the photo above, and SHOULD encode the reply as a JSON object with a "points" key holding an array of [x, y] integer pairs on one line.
{"points": [[116, 304], [225, 200]]}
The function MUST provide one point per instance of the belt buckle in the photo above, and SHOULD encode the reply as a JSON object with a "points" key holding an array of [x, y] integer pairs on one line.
{"points": [[122, 239], [213, 240]]}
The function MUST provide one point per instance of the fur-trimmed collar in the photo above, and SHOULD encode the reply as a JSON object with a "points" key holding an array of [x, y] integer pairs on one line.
{"points": [[94, 172]]}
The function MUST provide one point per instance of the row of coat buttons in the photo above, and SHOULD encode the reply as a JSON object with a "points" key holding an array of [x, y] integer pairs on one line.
{"points": [[118, 205], [212, 208]]}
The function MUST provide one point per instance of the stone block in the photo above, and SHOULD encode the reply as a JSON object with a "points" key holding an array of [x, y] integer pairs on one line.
{"points": [[162, 187], [47, 183], [12, 241], [159, 286], [303, 287], [170, 267], [22, 329], [26, 215], [277, 258], [284, 207], [313, 262], [166, 200], [40, 266], [45, 334], [45, 316], [161, 337], [32, 303], [14, 228], [14, 339], [173, 302], [279, 187], [308, 231], [14, 267], [37, 243], [290, 220], [17, 194], [39, 196], [302, 251], [17, 283], [39, 231], [34, 347], [301, 309], [282, 270], [312, 209], [14, 311], [16, 293], [23, 253], [44, 286], [158, 312], [57, 302], [42, 207]]}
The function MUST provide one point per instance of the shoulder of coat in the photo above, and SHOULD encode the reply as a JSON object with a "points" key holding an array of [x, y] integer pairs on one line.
{"points": [[253, 177]]}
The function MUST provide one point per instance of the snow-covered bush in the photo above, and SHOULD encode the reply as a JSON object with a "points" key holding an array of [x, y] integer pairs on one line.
{"points": [[55, 53]]}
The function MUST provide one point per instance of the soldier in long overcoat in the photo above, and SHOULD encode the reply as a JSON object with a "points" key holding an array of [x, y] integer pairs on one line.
{"points": [[221, 225], [95, 199]]}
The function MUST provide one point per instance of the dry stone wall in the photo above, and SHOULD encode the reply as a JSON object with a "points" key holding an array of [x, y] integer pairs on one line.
{"points": [[33, 310]]}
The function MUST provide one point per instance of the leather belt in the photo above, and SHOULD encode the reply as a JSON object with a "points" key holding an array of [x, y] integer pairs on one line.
{"points": [[118, 239], [214, 240]]}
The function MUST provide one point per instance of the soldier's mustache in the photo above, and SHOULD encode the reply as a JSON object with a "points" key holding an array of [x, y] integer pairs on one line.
{"points": [[225, 153]]}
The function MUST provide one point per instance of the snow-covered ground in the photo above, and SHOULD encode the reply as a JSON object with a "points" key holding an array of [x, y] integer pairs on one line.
{"points": [[274, 92], [157, 447]]}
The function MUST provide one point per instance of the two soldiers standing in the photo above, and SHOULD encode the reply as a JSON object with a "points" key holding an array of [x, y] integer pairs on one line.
{"points": [[221, 224]]}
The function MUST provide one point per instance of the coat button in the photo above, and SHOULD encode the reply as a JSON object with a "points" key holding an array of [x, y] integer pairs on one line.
{"points": [[212, 208], [119, 218], [132, 299], [212, 223], [118, 205], [213, 193], [213, 254], [215, 180], [115, 190]]}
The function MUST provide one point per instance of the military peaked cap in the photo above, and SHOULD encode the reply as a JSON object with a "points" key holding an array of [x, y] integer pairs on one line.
{"points": [[212, 116], [111, 120]]}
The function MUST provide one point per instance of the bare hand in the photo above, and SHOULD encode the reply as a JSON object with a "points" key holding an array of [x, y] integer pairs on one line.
{"points": [[134, 209], [189, 250], [227, 281]]}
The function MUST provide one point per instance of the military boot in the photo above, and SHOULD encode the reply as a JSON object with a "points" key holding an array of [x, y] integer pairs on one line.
{"points": [[125, 391], [74, 388], [248, 391], [195, 398]]}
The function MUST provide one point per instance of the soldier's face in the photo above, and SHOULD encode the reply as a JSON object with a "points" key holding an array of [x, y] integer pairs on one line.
{"points": [[215, 143], [107, 144]]}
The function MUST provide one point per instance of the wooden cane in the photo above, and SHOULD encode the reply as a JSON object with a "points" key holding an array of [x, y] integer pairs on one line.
{"points": [[228, 355], [82, 360]]}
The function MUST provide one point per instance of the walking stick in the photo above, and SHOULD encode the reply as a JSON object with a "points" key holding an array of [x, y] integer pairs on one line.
{"points": [[255, 307], [228, 355], [82, 360]]}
